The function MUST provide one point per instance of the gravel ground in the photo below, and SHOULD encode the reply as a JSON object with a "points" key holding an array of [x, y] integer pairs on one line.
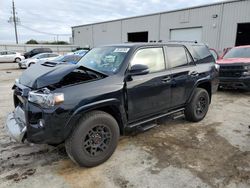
{"points": [[212, 153]]}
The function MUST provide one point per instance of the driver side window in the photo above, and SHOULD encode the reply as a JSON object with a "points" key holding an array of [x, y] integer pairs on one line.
{"points": [[152, 57]]}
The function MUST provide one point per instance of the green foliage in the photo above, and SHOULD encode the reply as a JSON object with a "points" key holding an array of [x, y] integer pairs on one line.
{"points": [[31, 41]]}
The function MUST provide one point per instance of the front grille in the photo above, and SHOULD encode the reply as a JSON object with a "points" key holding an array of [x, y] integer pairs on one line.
{"points": [[231, 70]]}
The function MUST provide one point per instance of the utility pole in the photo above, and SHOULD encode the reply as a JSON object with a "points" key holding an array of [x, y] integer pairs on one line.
{"points": [[14, 19]]}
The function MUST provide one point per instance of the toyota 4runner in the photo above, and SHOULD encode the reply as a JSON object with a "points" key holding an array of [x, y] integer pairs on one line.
{"points": [[111, 91]]}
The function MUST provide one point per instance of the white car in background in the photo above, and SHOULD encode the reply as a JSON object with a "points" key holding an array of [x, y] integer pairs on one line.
{"points": [[10, 56], [35, 59]]}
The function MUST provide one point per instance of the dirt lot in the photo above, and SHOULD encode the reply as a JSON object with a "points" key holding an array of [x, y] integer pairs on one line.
{"points": [[211, 153]]}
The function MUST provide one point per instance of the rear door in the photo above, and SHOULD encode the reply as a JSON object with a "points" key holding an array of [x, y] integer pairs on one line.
{"points": [[183, 74], [3, 57], [11, 56], [148, 94]]}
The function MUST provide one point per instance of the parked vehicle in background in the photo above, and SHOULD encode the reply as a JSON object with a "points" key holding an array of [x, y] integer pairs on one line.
{"points": [[37, 51], [81, 52], [10, 56], [235, 68], [35, 59], [111, 91], [73, 59]]}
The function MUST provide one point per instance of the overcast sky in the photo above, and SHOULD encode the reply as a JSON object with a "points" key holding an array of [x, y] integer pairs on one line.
{"points": [[57, 16]]}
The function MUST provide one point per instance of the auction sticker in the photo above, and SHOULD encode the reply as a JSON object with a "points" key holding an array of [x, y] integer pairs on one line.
{"points": [[122, 50]]}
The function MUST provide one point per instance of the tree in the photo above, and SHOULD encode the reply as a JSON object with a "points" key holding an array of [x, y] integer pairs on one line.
{"points": [[32, 41]]}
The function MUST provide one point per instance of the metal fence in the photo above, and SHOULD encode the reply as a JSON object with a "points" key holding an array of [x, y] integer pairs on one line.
{"points": [[60, 49]]}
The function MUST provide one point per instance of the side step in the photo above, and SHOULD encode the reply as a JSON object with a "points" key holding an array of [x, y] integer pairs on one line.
{"points": [[146, 127], [178, 115], [172, 113]]}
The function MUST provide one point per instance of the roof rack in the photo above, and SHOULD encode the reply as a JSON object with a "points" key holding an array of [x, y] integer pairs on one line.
{"points": [[184, 41]]}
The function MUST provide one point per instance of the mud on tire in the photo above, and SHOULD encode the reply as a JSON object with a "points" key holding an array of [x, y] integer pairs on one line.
{"points": [[93, 140]]}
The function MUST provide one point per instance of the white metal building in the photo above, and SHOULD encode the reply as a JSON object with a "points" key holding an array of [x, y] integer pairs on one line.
{"points": [[220, 25]]}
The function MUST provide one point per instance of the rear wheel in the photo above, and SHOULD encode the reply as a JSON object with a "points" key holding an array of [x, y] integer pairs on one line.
{"points": [[94, 139], [17, 60], [197, 109]]}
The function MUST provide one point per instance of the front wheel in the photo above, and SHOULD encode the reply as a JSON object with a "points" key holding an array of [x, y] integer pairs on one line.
{"points": [[93, 140], [197, 109]]}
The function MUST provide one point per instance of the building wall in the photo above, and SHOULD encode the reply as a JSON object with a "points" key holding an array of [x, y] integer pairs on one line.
{"points": [[147, 23], [233, 13], [83, 36], [106, 33], [218, 22], [200, 17]]}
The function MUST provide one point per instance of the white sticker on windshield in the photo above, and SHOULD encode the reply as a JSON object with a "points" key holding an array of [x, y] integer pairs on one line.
{"points": [[121, 50]]}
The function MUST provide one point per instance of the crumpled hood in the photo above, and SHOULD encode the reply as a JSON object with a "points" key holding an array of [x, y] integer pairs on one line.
{"points": [[233, 60], [40, 75]]}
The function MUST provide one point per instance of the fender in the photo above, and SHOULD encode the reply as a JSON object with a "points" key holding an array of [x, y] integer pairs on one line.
{"points": [[206, 79], [88, 107]]}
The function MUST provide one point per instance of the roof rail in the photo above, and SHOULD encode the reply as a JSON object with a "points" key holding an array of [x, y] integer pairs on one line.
{"points": [[183, 41]]}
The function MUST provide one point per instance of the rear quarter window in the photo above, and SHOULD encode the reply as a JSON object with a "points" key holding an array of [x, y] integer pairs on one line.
{"points": [[177, 56], [200, 53]]}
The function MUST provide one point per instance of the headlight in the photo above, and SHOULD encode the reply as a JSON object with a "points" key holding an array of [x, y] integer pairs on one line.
{"points": [[217, 67], [45, 98], [247, 72]]}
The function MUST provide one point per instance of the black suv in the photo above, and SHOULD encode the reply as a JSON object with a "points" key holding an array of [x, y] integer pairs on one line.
{"points": [[36, 51], [111, 91]]}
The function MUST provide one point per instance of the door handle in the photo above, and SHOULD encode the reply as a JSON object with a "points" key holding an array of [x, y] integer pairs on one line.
{"points": [[166, 79], [194, 74]]}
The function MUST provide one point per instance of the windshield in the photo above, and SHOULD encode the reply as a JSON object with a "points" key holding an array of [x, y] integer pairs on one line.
{"points": [[38, 56], [238, 53], [104, 59], [58, 58]]}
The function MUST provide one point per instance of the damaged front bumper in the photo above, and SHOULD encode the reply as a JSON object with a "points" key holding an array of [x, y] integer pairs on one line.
{"points": [[15, 124]]}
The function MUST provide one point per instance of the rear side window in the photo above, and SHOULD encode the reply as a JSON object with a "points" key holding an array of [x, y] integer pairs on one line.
{"points": [[152, 57], [3, 53], [11, 53], [199, 52], [52, 55], [177, 56]]}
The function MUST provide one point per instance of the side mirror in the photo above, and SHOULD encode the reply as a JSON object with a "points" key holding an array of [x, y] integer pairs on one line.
{"points": [[138, 69]]}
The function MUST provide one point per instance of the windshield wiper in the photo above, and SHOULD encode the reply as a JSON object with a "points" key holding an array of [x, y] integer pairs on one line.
{"points": [[94, 70]]}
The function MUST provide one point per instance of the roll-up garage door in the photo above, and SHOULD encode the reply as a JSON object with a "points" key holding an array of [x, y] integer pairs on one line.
{"points": [[187, 34]]}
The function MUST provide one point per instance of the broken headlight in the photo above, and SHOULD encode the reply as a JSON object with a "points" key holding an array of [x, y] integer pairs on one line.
{"points": [[45, 98]]}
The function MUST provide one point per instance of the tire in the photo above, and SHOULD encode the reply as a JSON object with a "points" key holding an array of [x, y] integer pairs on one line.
{"points": [[17, 60], [197, 109], [98, 134]]}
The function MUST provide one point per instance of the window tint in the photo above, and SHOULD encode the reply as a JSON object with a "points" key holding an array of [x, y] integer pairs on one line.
{"points": [[11, 53], [177, 56], [3, 53], [152, 57], [199, 51], [52, 55]]}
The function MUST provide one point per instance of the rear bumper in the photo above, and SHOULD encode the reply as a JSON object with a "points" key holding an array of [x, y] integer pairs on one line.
{"points": [[15, 125], [235, 83]]}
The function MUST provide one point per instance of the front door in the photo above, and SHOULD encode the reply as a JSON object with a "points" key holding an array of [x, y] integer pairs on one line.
{"points": [[148, 94]]}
